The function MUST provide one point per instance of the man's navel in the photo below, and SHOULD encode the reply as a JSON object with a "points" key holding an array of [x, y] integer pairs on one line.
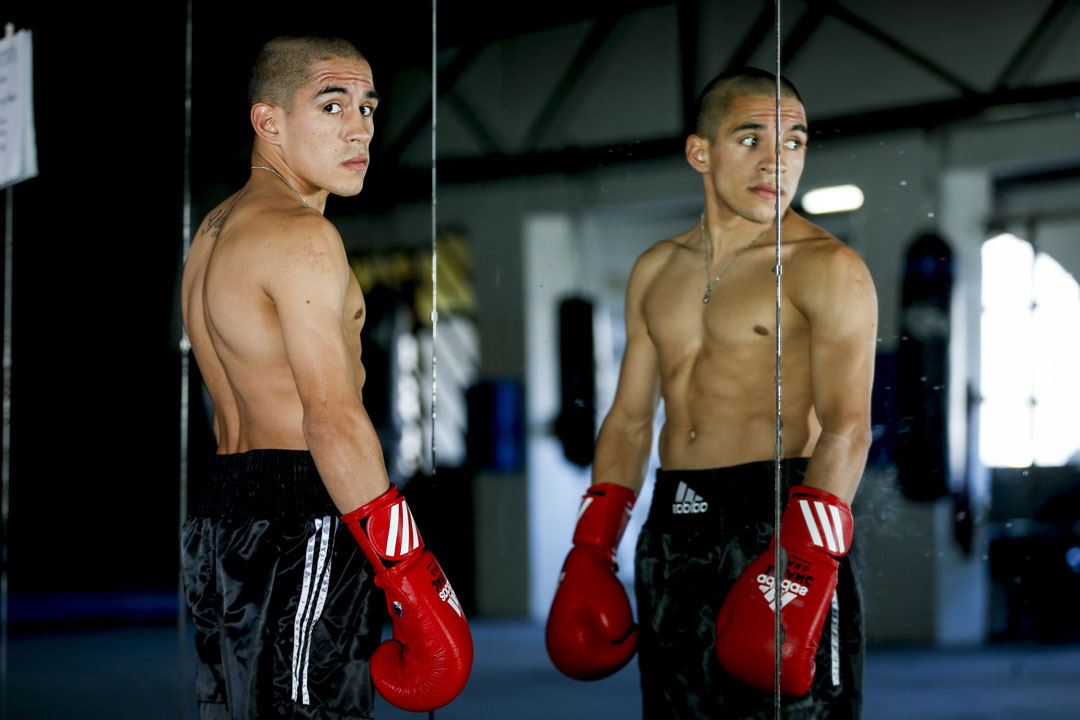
{"points": [[760, 330]]}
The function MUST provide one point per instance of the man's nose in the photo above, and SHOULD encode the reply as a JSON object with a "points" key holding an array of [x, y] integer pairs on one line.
{"points": [[767, 160], [360, 129]]}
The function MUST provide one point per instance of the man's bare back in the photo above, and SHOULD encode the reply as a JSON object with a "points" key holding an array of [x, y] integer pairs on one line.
{"points": [[717, 359], [234, 326], [274, 314]]}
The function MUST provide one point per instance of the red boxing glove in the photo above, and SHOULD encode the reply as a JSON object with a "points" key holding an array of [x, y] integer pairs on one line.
{"points": [[428, 660], [814, 530], [590, 629]]}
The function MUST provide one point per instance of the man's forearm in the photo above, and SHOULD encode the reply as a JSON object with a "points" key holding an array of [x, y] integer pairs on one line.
{"points": [[622, 453], [348, 455], [838, 461]]}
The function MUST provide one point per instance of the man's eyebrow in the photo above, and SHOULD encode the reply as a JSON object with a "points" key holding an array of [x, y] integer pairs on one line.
{"points": [[338, 90], [748, 126], [801, 128], [331, 90]]}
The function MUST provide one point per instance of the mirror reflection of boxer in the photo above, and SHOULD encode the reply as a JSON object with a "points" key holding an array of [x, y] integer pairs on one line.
{"points": [[701, 333], [298, 525]]}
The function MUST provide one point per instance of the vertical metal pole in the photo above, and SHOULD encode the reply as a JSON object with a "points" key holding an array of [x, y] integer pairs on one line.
{"points": [[185, 380], [5, 480], [434, 233], [434, 215], [778, 560]]}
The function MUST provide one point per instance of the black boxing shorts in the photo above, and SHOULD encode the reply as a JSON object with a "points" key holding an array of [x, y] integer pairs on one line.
{"points": [[703, 529], [285, 609]]}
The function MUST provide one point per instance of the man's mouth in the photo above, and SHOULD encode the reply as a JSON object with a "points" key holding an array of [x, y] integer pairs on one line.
{"points": [[357, 163], [764, 190]]}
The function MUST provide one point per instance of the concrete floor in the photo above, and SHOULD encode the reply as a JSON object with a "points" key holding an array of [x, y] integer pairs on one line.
{"points": [[132, 672]]}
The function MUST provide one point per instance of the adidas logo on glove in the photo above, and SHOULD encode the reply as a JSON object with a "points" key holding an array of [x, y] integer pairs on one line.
{"points": [[446, 593], [687, 501], [789, 590]]}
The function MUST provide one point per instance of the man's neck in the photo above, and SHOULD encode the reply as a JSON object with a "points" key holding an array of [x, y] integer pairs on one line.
{"points": [[272, 158], [727, 232]]}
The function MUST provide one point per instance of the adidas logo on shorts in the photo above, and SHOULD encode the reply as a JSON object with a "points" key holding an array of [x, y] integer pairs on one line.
{"points": [[687, 502]]}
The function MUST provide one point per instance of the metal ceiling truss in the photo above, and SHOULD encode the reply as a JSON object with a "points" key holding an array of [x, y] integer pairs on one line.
{"points": [[1052, 19], [1026, 101]]}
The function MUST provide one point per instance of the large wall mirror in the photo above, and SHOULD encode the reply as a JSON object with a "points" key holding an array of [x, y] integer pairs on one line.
{"points": [[560, 161]]}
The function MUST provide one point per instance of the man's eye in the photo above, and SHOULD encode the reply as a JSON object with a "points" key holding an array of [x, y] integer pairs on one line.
{"points": [[367, 110], [793, 144], [749, 141], [332, 108]]}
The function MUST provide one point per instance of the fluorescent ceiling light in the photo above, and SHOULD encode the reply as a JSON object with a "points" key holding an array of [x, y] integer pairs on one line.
{"points": [[838, 198]]}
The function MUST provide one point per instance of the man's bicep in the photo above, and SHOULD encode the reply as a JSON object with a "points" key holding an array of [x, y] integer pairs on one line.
{"points": [[843, 343], [318, 356], [637, 393]]}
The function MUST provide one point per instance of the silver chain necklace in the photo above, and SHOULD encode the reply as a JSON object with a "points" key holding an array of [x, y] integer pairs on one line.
{"points": [[705, 253], [263, 167]]}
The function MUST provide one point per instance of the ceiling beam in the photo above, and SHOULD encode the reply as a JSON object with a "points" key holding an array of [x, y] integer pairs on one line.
{"points": [[1034, 40], [842, 13], [476, 126], [798, 37], [422, 117], [1028, 102], [590, 46], [762, 27]]}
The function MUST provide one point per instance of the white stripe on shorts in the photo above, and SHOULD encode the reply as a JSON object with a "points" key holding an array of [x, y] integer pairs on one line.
{"points": [[834, 639], [308, 611]]}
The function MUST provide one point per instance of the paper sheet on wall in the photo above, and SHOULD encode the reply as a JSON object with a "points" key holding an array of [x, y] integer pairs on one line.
{"points": [[18, 149]]}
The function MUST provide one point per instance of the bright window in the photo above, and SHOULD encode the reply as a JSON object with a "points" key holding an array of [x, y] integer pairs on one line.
{"points": [[1030, 339]]}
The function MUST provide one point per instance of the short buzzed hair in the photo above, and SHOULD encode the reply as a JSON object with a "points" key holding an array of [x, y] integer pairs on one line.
{"points": [[715, 100], [284, 66]]}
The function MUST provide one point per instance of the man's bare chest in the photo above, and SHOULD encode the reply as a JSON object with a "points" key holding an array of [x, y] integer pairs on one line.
{"points": [[741, 310], [732, 336]]}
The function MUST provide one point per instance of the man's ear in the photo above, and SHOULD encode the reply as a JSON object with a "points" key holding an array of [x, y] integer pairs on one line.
{"points": [[264, 118], [697, 153]]}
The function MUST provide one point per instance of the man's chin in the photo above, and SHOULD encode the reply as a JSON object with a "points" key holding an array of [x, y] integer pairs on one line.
{"points": [[348, 190], [761, 217]]}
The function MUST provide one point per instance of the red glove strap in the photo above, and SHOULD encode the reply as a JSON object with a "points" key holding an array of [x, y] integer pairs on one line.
{"points": [[605, 511], [389, 533], [816, 519]]}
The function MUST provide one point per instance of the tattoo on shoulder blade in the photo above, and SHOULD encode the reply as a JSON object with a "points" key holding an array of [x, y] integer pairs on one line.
{"points": [[216, 219]]}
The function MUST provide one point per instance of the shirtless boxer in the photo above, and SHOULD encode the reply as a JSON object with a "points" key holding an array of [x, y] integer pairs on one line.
{"points": [[283, 594], [701, 333]]}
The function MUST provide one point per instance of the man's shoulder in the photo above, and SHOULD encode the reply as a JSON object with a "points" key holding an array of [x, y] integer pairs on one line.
{"points": [[651, 262], [293, 226], [270, 245], [298, 249], [270, 230], [820, 270], [812, 249]]}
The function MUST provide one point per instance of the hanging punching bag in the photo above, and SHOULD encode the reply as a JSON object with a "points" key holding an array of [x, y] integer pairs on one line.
{"points": [[576, 424], [922, 374]]}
